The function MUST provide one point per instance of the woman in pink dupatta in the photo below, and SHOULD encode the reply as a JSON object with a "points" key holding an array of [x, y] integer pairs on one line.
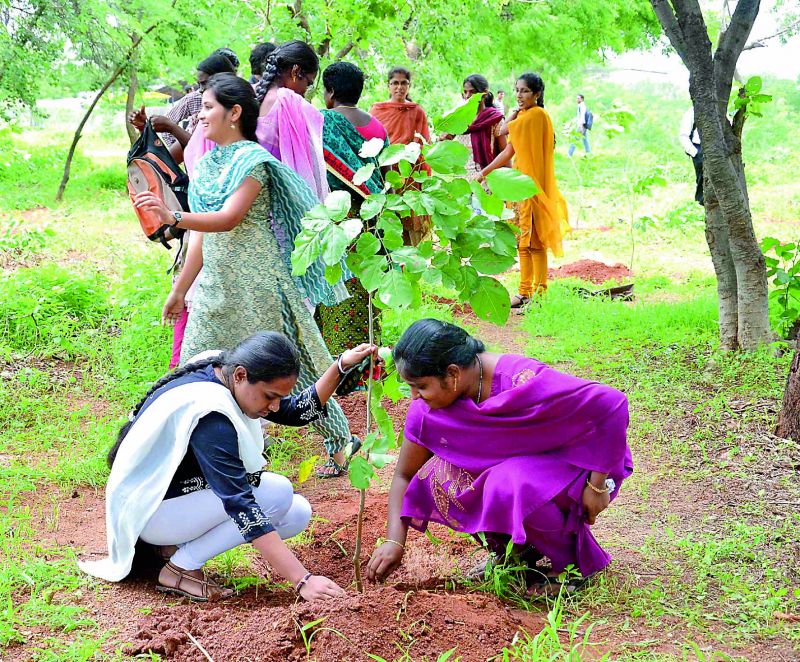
{"points": [[504, 446]]}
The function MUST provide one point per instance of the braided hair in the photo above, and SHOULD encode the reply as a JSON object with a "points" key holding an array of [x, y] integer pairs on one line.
{"points": [[480, 84], [535, 84], [265, 356], [281, 60], [429, 346]]}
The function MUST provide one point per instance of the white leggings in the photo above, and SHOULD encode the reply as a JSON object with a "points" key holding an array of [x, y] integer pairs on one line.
{"points": [[198, 524]]}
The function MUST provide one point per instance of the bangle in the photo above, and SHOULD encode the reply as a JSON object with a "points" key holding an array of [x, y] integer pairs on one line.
{"points": [[340, 367], [597, 490], [395, 542], [302, 582]]}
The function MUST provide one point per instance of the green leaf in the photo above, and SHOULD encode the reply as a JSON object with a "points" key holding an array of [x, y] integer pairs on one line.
{"points": [[333, 273], [753, 85], [317, 218], [456, 123], [393, 388], [395, 290], [369, 270], [338, 204], [405, 168], [372, 206], [363, 174], [380, 460], [305, 468], [425, 249], [307, 248], [486, 261], [490, 300], [490, 204], [360, 472], [446, 157], [334, 244], [410, 258], [394, 179], [396, 153], [392, 229], [511, 184], [371, 148], [368, 244], [352, 228]]}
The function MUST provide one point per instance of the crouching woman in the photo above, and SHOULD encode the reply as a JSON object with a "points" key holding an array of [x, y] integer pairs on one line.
{"points": [[186, 471], [504, 446]]}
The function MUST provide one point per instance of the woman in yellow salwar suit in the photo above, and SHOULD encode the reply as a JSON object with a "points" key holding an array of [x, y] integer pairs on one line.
{"points": [[542, 218]]}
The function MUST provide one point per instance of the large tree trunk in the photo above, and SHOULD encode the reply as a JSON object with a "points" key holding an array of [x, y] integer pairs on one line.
{"points": [[789, 418]]}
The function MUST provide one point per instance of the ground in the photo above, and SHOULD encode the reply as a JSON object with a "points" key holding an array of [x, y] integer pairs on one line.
{"points": [[705, 535]]}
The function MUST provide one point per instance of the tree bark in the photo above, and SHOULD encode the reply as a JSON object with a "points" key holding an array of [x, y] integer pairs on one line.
{"points": [[710, 81], [133, 84], [789, 419], [727, 295], [129, 55]]}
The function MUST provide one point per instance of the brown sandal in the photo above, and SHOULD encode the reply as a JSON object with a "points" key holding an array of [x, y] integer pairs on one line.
{"points": [[205, 590]]}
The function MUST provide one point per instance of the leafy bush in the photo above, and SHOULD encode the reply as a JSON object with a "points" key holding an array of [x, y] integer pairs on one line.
{"points": [[49, 310]]}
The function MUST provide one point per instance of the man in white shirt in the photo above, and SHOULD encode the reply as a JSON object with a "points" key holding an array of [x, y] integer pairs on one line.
{"points": [[581, 123], [690, 141]]}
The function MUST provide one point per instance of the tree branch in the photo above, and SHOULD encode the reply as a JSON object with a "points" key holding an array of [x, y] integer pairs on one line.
{"points": [[759, 43], [666, 16], [344, 52], [731, 44], [296, 11]]}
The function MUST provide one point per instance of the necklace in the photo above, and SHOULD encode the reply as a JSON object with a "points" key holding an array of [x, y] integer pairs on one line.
{"points": [[480, 379]]}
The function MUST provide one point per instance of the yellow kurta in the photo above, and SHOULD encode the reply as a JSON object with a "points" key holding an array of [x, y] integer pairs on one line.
{"points": [[545, 214]]}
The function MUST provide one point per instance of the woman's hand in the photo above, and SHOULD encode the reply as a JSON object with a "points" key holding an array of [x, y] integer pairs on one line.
{"points": [[594, 503], [384, 561], [321, 588], [353, 357], [173, 308], [151, 202]]}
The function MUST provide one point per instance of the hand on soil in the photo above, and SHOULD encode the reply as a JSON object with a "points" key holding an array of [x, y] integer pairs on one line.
{"points": [[321, 588], [384, 561]]}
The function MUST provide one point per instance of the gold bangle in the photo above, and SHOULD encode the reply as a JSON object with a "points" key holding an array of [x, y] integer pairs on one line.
{"points": [[595, 489], [395, 542]]}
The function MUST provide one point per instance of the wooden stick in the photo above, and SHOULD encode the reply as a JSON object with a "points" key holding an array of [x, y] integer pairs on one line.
{"points": [[200, 647]]}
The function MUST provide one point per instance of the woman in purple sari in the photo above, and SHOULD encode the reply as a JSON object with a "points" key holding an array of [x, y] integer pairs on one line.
{"points": [[505, 446]]}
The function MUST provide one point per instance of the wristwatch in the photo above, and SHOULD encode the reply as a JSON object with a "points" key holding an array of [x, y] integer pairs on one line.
{"points": [[178, 218]]}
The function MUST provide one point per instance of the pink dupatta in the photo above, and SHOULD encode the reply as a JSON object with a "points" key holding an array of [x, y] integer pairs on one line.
{"points": [[292, 132]]}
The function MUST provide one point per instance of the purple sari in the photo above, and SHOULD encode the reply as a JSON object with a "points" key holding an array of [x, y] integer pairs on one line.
{"points": [[517, 463]]}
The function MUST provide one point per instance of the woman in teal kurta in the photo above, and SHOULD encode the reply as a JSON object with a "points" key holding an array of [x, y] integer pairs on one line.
{"points": [[246, 209]]}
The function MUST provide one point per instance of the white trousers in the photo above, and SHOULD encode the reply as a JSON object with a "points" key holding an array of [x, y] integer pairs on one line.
{"points": [[198, 524]]}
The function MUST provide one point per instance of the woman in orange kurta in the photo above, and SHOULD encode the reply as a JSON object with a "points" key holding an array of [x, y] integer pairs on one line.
{"points": [[403, 120], [542, 218]]}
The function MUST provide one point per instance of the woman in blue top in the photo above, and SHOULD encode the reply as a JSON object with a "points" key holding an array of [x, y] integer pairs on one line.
{"points": [[186, 471]]}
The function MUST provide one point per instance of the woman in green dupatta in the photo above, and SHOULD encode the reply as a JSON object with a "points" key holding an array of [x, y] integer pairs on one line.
{"points": [[344, 132], [246, 209]]}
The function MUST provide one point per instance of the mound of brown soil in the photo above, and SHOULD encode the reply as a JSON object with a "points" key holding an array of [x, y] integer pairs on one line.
{"points": [[591, 270]]}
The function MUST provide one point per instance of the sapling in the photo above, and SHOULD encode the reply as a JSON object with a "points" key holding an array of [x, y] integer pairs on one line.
{"points": [[466, 250]]}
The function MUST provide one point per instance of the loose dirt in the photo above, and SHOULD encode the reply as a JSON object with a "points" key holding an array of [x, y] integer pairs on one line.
{"points": [[592, 271]]}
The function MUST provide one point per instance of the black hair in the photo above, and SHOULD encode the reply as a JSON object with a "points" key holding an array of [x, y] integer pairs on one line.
{"points": [[230, 55], [535, 84], [480, 84], [583, 98], [258, 55], [282, 59], [216, 63], [399, 70], [429, 346], [230, 91], [345, 81], [265, 356]]}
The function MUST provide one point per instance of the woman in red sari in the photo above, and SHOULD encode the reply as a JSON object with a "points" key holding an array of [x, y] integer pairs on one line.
{"points": [[405, 122], [482, 137]]}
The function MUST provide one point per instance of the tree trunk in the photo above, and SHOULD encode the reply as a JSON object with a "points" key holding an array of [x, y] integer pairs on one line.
{"points": [[789, 419], [129, 55], [710, 81], [717, 238], [133, 84]]}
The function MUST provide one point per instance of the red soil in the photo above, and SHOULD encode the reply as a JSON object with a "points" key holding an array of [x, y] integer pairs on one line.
{"points": [[591, 270]]}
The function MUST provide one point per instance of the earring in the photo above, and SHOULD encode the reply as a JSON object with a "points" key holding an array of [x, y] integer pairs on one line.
{"points": [[455, 386], [233, 126]]}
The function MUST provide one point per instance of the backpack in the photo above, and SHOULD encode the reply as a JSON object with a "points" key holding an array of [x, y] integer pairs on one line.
{"points": [[152, 168], [588, 119]]}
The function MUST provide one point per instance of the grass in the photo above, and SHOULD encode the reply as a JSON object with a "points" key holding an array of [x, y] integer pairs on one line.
{"points": [[716, 566]]}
